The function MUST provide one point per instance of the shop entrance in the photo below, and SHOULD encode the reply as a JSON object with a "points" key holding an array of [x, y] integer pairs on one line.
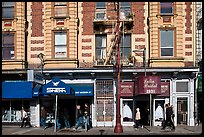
{"points": [[144, 111], [182, 110]]}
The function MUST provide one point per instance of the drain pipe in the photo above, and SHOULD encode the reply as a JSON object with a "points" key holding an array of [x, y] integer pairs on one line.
{"points": [[77, 35], [26, 35], [148, 64]]}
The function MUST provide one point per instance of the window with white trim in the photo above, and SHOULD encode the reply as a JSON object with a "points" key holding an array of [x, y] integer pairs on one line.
{"points": [[167, 43], [125, 8], [60, 45], [100, 11], [101, 46]]}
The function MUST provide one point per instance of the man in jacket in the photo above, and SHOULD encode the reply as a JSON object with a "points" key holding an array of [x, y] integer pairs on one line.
{"points": [[169, 113]]}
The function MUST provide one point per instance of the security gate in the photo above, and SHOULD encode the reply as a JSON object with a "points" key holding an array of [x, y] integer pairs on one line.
{"points": [[182, 109], [105, 102]]}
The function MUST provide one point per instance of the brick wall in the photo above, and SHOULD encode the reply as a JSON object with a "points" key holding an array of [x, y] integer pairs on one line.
{"points": [[37, 21], [138, 10], [188, 18], [88, 17]]}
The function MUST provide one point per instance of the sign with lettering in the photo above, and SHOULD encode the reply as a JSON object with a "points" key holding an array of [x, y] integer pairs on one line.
{"points": [[127, 88], [165, 89], [149, 85], [56, 86]]}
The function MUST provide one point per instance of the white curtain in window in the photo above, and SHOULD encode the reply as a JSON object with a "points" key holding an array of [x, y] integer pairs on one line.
{"points": [[103, 48]]}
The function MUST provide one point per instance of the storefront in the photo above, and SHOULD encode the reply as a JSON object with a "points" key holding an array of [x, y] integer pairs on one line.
{"points": [[15, 95], [65, 94]]}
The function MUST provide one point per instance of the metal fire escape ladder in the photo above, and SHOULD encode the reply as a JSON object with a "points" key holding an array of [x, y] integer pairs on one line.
{"points": [[112, 43]]}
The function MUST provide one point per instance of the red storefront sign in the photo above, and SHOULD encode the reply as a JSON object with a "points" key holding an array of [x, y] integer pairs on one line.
{"points": [[149, 85], [127, 89], [165, 89]]}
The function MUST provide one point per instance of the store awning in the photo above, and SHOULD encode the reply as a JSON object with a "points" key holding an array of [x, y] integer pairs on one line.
{"points": [[16, 89], [148, 85], [82, 89], [55, 86]]}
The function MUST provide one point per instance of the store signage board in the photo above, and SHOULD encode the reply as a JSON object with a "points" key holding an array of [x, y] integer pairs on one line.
{"points": [[56, 86], [149, 85]]}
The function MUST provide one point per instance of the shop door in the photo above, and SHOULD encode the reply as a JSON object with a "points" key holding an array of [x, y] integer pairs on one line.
{"points": [[182, 110], [105, 103]]}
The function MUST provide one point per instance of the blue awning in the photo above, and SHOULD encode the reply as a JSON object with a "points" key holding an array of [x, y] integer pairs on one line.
{"points": [[36, 90], [55, 86], [17, 89], [83, 89]]}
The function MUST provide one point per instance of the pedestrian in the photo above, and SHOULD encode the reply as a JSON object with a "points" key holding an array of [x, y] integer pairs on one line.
{"points": [[25, 119], [80, 118], [43, 117], [58, 119], [168, 119], [137, 119], [66, 118], [28, 119], [87, 116]]}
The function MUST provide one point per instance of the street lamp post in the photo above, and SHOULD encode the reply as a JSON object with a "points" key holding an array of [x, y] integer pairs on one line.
{"points": [[41, 57], [118, 128]]}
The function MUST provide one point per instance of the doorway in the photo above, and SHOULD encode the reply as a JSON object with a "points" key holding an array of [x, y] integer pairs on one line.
{"points": [[182, 110], [144, 111]]}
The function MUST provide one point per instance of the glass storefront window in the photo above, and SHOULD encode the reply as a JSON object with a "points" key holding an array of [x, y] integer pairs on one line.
{"points": [[11, 110]]}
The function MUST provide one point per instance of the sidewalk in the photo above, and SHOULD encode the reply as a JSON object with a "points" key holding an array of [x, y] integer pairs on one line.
{"points": [[180, 130]]}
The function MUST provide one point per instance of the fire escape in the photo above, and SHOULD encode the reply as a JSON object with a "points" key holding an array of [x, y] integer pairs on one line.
{"points": [[100, 27], [198, 33]]}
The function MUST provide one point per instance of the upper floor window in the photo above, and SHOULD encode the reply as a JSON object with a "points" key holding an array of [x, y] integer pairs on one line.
{"points": [[100, 47], [125, 8], [125, 46], [100, 5], [166, 7], [60, 45], [60, 9], [8, 9], [7, 46], [100, 10], [167, 42]]}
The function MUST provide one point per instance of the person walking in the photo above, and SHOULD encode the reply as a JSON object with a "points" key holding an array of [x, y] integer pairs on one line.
{"points": [[80, 118], [66, 118], [28, 120], [24, 117], [137, 119], [168, 119], [43, 115], [87, 116], [58, 119]]}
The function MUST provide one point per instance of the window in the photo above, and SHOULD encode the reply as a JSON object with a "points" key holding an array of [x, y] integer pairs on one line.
{"points": [[181, 86], [60, 9], [100, 47], [167, 42], [166, 7], [60, 45], [100, 10], [125, 7], [125, 46], [8, 9], [8, 46], [100, 5]]}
